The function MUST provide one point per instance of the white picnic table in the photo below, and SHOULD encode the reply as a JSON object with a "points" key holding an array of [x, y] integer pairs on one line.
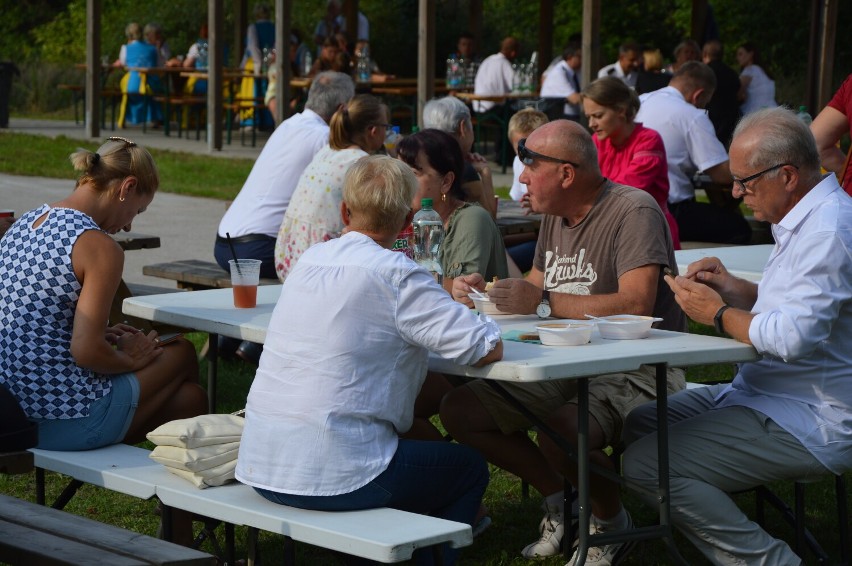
{"points": [[212, 311], [742, 261]]}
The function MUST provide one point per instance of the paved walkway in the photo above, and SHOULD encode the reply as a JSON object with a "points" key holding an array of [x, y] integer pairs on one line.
{"points": [[186, 225]]}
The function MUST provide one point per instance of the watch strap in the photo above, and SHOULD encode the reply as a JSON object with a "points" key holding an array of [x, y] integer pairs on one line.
{"points": [[717, 320]]}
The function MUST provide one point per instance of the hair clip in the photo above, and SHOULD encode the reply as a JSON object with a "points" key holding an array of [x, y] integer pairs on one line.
{"points": [[125, 140], [96, 158]]}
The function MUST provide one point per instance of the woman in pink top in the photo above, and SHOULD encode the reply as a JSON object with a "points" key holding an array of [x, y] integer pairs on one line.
{"points": [[628, 152]]}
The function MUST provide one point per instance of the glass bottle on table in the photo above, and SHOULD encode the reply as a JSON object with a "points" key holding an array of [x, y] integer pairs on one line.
{"points": [[428, 229], [307, 64]]}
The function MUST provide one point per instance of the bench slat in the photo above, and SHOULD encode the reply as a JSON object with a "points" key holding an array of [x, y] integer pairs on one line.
{"points": [[195, 274], [71, 539]]}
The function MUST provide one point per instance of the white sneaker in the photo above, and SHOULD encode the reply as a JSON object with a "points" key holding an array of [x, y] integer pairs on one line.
{"points": [[552, 528], [605, 555]]}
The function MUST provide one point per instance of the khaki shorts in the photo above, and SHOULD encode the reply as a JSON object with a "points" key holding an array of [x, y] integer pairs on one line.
{"points": [[611, 397]]}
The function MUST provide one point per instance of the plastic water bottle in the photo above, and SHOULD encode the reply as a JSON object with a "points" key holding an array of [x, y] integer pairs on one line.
{"points": [[307, 64], [804, 116], [202, 55], [455, 73], [364, 71], [428, 231], [391, 139]]}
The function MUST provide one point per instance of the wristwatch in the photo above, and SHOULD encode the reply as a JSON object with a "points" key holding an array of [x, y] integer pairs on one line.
{"points": [[717, 320], [543, 308]]}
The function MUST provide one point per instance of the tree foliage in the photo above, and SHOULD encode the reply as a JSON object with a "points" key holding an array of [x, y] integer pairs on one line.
{"points": [[54, 30]]}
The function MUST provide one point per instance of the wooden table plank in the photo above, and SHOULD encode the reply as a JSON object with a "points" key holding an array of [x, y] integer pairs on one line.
{"points": [[136, 241]]}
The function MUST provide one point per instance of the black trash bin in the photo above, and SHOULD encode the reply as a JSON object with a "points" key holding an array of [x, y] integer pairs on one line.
{"points": [[8, 70]]}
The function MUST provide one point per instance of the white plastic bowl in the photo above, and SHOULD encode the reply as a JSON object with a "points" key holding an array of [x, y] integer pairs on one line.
{"points": [[625, 326], [564, 333], [485, 306]]}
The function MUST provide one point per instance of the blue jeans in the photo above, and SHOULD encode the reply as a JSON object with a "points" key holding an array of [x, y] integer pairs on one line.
{"points": [[108, 421], [523, 255], [440, 479], [264, 250]]}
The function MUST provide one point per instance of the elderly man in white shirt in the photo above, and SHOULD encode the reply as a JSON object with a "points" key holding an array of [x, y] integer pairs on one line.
{"points": [[495, 74], [787, 415], [627, 66], [562, 84], [676, 113]]}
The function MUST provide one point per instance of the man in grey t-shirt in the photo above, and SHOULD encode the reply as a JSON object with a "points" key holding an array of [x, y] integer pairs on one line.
{"points": [[601, 250]]}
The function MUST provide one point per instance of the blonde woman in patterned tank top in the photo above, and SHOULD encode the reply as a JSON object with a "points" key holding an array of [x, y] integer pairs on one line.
{"points": [[87, 383]]}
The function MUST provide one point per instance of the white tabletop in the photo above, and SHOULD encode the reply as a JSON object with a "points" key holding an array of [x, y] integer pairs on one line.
{"points": [[742, 261], [210, 311], [213, 311]]}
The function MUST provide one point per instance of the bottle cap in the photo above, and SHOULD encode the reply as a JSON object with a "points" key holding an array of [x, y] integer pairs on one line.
{"points": [[426, 203]]}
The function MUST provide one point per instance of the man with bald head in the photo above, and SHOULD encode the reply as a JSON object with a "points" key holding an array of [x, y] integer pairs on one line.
{"points": [[495, 74], [785, 416], [601, 250]]}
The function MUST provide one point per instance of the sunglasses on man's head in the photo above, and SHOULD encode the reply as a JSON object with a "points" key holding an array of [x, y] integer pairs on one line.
{"points": [[528, 156]]}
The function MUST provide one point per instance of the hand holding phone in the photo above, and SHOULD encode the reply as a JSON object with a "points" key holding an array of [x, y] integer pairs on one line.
{"points": [[165, 339]]}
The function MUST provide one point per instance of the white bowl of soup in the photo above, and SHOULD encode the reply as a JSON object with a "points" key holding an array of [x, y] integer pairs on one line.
{"points": [[484, 306]]}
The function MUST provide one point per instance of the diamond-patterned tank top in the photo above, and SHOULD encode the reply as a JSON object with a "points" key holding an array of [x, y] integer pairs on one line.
{"points": [[38, 298]]}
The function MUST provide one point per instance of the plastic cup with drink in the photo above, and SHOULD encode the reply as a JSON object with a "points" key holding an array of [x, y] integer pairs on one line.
{"points": [[245, 276]]}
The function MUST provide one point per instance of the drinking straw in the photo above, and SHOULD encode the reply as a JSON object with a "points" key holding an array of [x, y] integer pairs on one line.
{"points": [[233, 253]]}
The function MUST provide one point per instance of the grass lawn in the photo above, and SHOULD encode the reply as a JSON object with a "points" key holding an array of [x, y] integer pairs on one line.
{"points": [[182, 173], [515, 518]]}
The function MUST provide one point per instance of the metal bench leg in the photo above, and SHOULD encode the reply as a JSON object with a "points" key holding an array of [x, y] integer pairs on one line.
{"points": [[289, 551], [251, 543]]}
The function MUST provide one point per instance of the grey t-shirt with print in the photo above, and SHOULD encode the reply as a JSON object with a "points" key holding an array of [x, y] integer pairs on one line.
{"points": [[625, 229]]}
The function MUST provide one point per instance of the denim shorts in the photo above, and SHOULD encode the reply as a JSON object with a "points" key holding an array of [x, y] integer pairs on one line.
{"points": [[108, 421]]}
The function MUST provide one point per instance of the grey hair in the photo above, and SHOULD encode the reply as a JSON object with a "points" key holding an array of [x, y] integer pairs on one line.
{"points": [[329, 90], [151, 28], [783, 138], [445, 114]]}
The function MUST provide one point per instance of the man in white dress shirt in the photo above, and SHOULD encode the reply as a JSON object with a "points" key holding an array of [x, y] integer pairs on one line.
{"points": [[627, 66], [254, 217], [495, 74], [562, 83], [676, 112], [787, 415]]}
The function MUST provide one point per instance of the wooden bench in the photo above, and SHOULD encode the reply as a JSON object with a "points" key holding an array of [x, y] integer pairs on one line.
{"points": [[195, 274], [33, 534], [110, 97], [384, 535], [184, 107]]}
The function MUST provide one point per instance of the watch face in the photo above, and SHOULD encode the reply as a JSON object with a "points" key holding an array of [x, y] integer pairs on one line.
{"points": [[543, 310]]}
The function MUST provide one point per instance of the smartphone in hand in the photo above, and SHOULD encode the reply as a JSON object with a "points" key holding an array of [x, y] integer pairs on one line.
{"points": [[164, 339]]}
